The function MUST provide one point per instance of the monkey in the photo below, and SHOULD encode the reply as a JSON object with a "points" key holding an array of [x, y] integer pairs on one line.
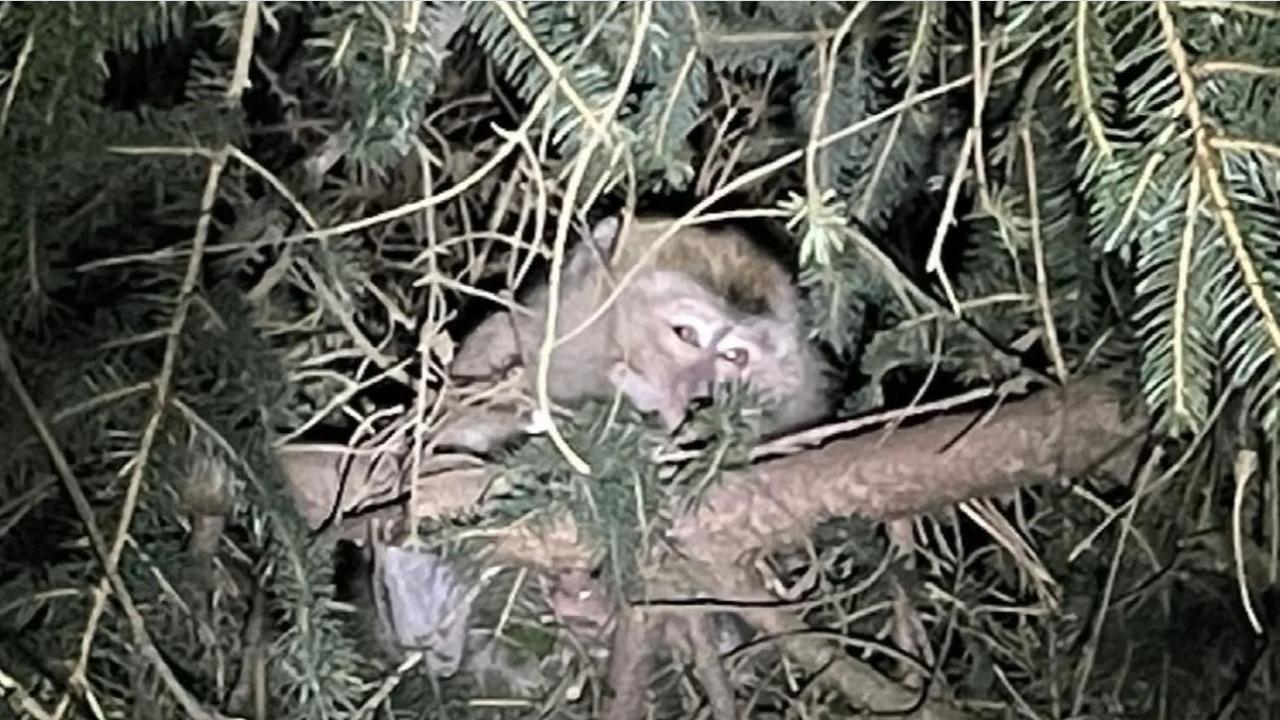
{"points": [[707, 306]]}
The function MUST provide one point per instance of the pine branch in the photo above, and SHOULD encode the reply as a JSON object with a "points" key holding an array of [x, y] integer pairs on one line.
{"points": [[108, 556], [1243, 354]]}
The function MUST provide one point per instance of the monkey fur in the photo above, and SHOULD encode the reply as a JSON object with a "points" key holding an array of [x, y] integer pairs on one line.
{"points": [[707, 306]]}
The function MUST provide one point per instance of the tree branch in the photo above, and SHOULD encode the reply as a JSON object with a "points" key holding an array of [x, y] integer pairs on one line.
{"points": [[1058, 433], [1052, 434]]}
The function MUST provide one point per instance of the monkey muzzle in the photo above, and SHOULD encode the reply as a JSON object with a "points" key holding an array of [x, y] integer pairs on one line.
{"points": [[670, 397], [692, 384]]}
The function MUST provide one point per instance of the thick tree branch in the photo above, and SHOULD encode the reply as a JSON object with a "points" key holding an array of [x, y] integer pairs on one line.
{"points": [[936, 463], [1053, 434]]}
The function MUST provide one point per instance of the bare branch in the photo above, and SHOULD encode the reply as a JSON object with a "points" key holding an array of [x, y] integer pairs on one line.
{"points": [[1053, 434]]}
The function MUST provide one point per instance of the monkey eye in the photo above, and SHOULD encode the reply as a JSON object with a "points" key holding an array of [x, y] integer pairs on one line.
{"points": [[687, 334], [737, 356]]}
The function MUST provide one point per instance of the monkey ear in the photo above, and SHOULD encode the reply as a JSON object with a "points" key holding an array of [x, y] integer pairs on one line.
{"points": [[594, 250], [605, 233]]}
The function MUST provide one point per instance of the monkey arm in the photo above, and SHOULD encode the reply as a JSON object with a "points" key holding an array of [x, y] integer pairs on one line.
{"points": [[480, 430], [493, 347]]}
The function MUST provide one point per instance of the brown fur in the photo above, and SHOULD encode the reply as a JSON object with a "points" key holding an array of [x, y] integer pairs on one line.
{"points": [[723, 260], [709, 278]]}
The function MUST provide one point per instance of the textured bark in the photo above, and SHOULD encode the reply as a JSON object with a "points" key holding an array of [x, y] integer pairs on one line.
{"points": [[1050, 435]]}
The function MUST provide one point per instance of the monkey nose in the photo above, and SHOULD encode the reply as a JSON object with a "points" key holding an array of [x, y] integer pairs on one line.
{"points": [[692, 391], [698, 379], [699, 396]]}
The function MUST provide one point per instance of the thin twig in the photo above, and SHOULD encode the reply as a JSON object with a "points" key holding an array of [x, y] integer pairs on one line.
{"points": [[827, 62], [1091, 647], [813, 436], [1085, 83], [891, 138], [112, 579], [244, 51], [1037, 249], [434, 320], [376, 356], [440, 198], [1214, 67], [933, 263], [1140, 188], [338, 400], [17, 508], [279, 186], [1181, 297], [980, 84], [1245, 466], [1245, 145], [389, 684], [764, 38], [1092, 498], [1167, 475], [935, 364], [411, 28], [162, 387], [682, 76], [541, 384], [16, 79], [21, 698], [556, 72]]}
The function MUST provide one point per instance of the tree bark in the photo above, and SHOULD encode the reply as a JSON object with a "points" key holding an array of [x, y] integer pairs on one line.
{"points": [[1053, 434]]}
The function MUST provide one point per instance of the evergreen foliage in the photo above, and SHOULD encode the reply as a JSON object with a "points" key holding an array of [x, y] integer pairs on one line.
{"points": [[193, 271]]}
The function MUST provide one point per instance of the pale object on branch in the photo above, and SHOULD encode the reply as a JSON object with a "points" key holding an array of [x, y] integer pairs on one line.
{"points": [[429, 607]]}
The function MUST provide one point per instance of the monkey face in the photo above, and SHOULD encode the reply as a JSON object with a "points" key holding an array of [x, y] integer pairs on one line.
{"points": [[704, 308], [679, 340]]}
